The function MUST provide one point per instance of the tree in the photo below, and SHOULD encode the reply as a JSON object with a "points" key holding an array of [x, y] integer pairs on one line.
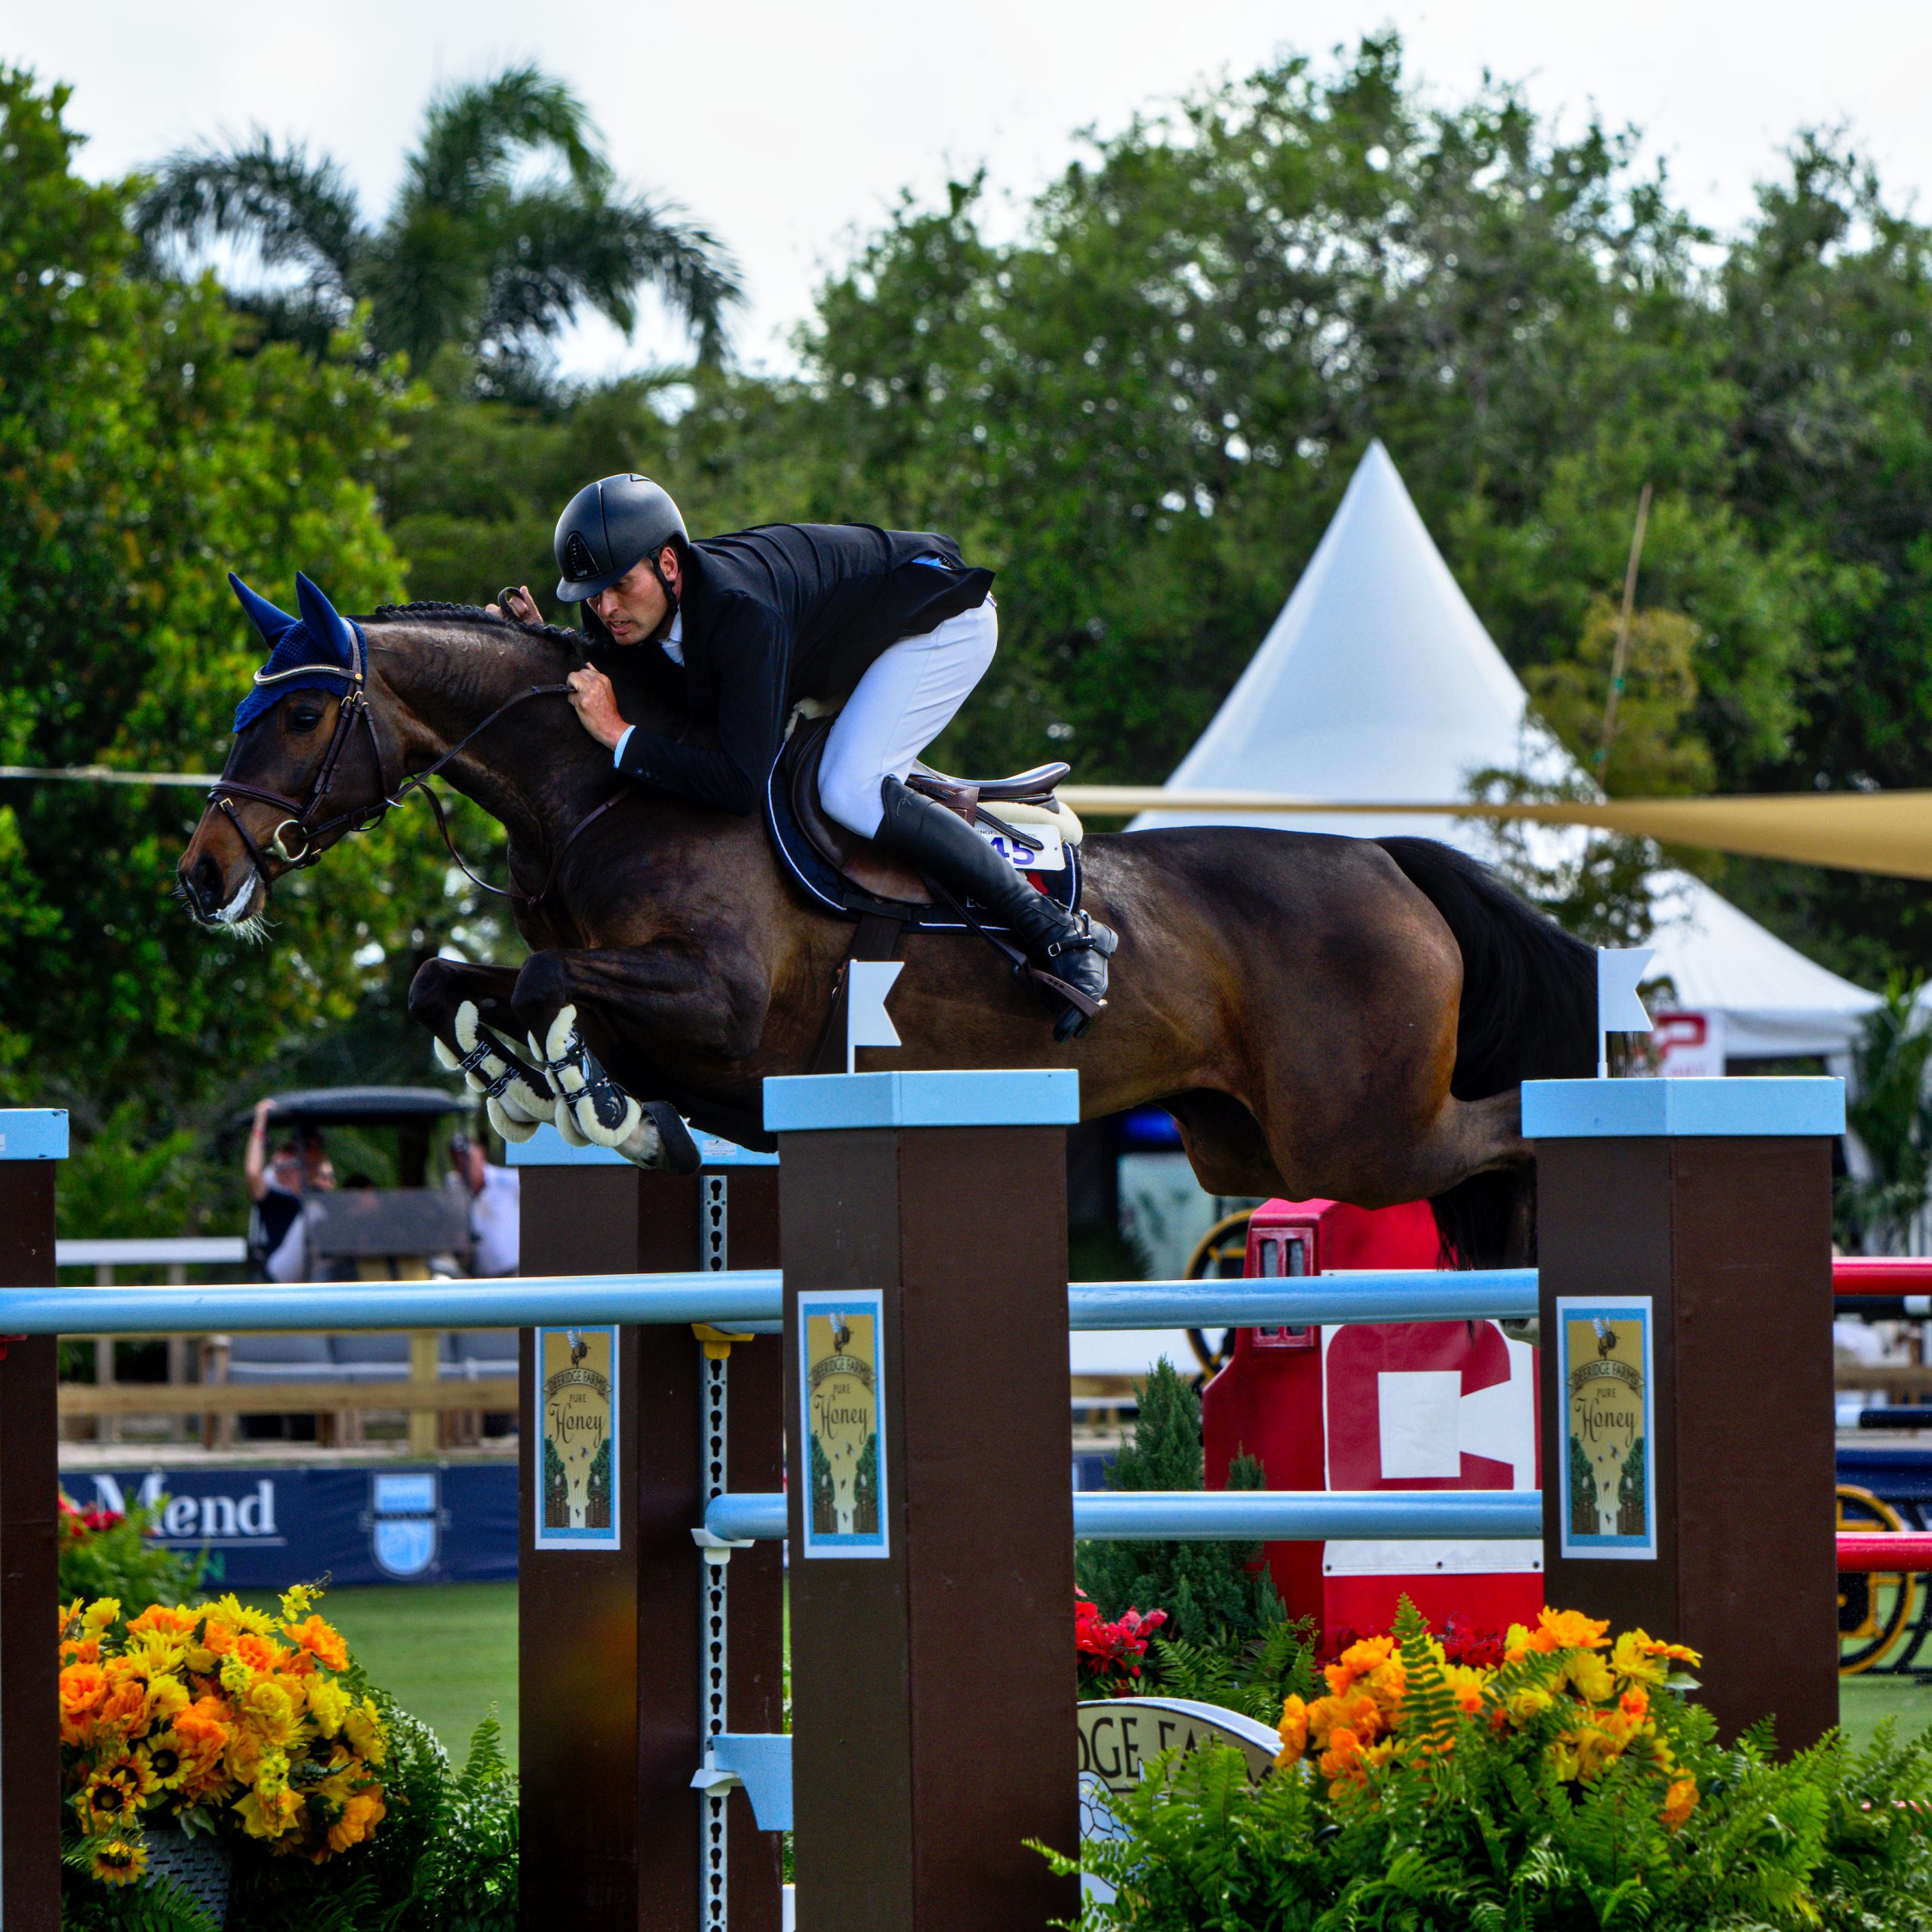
{"points": [[142, 453], [1889, 1108], [1209, 1590], [469, 253]]}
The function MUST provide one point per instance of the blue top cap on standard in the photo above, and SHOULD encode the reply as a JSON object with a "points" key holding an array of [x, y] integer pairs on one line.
{"points": [[33, 1133], [547, 1148], [1706, 1109], [1026, 1097]]}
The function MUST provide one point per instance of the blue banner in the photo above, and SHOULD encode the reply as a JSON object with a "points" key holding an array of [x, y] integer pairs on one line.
{"points": [[263, 1529]]}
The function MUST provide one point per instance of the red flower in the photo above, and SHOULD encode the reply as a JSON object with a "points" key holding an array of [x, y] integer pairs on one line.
{"points": [[1110, 1653]]}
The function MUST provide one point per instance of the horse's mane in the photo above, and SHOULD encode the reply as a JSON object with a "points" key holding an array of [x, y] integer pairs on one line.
{"points": [[475, 616]]}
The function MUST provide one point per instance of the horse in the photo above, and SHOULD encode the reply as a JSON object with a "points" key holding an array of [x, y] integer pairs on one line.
{"points": [[1322, 1016]]}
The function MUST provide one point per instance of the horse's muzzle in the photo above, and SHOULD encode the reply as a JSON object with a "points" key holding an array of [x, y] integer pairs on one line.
{"points": [[220, 883]]}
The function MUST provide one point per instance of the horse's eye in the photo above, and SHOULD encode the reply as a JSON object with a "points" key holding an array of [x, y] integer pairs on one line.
{"points": [[304, 718]]}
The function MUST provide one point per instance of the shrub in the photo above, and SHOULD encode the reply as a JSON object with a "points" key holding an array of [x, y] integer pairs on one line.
{"points": [[1209, 1591], [109, 1553], [1566, 1789]]}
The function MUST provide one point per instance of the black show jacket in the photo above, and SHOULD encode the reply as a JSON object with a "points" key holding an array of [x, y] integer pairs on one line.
{"points": [[786, 612]]}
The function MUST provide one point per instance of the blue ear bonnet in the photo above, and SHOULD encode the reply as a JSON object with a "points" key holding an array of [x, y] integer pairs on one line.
{"points": [[320, 650]]}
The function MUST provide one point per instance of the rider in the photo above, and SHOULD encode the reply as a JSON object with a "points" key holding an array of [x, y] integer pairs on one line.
{"points": [[893, 623]]}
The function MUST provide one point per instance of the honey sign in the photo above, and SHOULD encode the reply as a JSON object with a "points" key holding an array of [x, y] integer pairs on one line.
{"points": [[577, 1427], [841, 1403], [1609, 1477]]}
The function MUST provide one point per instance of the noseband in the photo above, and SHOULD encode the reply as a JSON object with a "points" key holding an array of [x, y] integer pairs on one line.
{"points": [[312, 830]]}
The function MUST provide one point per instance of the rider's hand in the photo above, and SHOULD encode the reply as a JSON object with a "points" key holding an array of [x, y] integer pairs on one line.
{"points": [[595, 703], [518, 604]]}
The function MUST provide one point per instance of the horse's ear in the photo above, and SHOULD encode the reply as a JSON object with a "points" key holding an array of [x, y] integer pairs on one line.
{"points": [[266, 618], [326, 627]]}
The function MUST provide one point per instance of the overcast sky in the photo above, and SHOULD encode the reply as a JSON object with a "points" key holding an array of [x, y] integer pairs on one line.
{"points": [[792, 128]]}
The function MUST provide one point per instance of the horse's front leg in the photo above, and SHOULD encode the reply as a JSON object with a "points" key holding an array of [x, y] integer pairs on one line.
{"points": [[573, 1007], [467, 1010]]}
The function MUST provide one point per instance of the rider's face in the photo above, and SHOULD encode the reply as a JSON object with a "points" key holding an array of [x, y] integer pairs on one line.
{"points": [[634, 606]]}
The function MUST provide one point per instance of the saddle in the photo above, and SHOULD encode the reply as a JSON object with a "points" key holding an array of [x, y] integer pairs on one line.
{"points": [[1020, 816]]}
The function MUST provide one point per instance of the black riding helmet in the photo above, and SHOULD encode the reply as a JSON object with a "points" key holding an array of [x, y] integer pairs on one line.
{"points": [[607, 526]]}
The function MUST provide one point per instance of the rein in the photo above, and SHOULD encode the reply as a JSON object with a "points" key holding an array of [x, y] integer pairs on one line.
{"points": [[355, 706]]}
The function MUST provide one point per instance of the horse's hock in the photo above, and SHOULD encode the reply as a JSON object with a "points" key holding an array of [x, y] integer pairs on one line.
{"points": [[1685, 1299]]}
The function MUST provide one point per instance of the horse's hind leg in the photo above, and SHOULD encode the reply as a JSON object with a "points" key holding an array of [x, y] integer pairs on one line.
{"points": [[467, 1010]]}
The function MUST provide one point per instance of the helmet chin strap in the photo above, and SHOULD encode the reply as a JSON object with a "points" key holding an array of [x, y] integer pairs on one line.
{"points": [[672, 598]]}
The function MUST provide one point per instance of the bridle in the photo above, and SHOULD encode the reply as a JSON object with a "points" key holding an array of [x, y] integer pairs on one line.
{"points": [[312, 830]]}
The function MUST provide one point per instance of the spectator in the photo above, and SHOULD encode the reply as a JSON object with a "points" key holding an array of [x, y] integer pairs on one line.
{"points": [[278, 1183], [495, 1206]]}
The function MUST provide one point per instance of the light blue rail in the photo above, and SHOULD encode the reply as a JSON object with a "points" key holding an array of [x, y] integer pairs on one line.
{"points": [[750, 1299], [1260, 1516]]}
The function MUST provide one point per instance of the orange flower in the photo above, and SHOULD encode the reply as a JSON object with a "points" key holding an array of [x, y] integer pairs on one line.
{"points": [[360, 1816], [1341, 1763], [321, 1641], [1358, 1660], [1679, 1802], [1465, 1685], [1566, 1630], [160, 1618], [1293, 1731]]}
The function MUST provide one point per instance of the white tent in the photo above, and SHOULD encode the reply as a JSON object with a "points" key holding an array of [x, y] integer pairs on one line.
{"points": [[1377, 682]]}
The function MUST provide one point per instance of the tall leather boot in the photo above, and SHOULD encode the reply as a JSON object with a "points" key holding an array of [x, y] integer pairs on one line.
{"points": [[1074, 950]]}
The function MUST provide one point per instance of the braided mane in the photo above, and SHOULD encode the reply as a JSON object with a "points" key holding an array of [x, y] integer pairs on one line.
{"points": [[474, 613]]}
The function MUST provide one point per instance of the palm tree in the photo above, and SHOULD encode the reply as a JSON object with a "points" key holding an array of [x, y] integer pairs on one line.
{"points": [[472, 252]]}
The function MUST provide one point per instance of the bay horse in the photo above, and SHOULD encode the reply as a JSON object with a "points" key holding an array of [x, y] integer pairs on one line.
{"points": [[1322, 1016]]}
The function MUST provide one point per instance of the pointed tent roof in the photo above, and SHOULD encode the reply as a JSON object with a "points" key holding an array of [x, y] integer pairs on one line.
{"points": [[1378, 682]]}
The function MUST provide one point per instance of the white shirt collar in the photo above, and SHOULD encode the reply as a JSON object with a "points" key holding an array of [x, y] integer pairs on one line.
{"points": [[674, 638]]}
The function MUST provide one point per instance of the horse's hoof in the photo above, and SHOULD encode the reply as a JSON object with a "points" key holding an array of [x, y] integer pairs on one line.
{"points": [[661, 1141], [511, 1127]]}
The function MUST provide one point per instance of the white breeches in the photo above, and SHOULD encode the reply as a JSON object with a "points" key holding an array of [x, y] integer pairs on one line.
{"points": [[907, 695]]}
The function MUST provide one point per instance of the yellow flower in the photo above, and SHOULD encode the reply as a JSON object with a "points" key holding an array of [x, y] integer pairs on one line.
{"points": [[328, 1705], [100, 1614], [113, 1795], [1294, 1730], [363, 1727], [118, 1862], [270, 1813], [1466, 1685], [1589, 1677], [1679, 1802], [236, 1614], [1524, 1705], [297, 1600], [270, 1712]]}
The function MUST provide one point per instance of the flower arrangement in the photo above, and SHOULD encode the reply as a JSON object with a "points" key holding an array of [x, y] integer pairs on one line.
{"points": [[1581, 1712], [222, 1718], [1110, 1654], [1570, 1782]]}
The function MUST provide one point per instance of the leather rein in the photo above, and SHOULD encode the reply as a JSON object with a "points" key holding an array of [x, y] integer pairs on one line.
{"points": [[352, 707]]}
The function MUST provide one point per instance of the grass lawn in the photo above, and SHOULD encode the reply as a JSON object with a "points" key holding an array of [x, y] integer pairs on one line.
{"points": [[1865, 1701], [446, 1652]]}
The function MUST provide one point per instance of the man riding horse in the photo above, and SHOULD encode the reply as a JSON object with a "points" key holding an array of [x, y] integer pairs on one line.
{"points": [[891, 625], [1331, 1017]]}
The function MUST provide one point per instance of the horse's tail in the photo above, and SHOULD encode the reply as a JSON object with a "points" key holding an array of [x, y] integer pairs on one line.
{"points": [[1528, 1013]]}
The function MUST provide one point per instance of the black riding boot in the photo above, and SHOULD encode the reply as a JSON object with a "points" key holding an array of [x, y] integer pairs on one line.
{"points": [[940, 843]]}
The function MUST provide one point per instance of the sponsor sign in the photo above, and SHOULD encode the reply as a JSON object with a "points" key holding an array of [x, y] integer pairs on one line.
{"points": [[263, 1529], [841, 1397], [1608, 1470], [577, 1445]]}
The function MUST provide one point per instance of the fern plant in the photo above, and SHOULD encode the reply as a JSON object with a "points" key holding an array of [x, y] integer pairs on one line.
{"points": [[1566, 1791]]}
